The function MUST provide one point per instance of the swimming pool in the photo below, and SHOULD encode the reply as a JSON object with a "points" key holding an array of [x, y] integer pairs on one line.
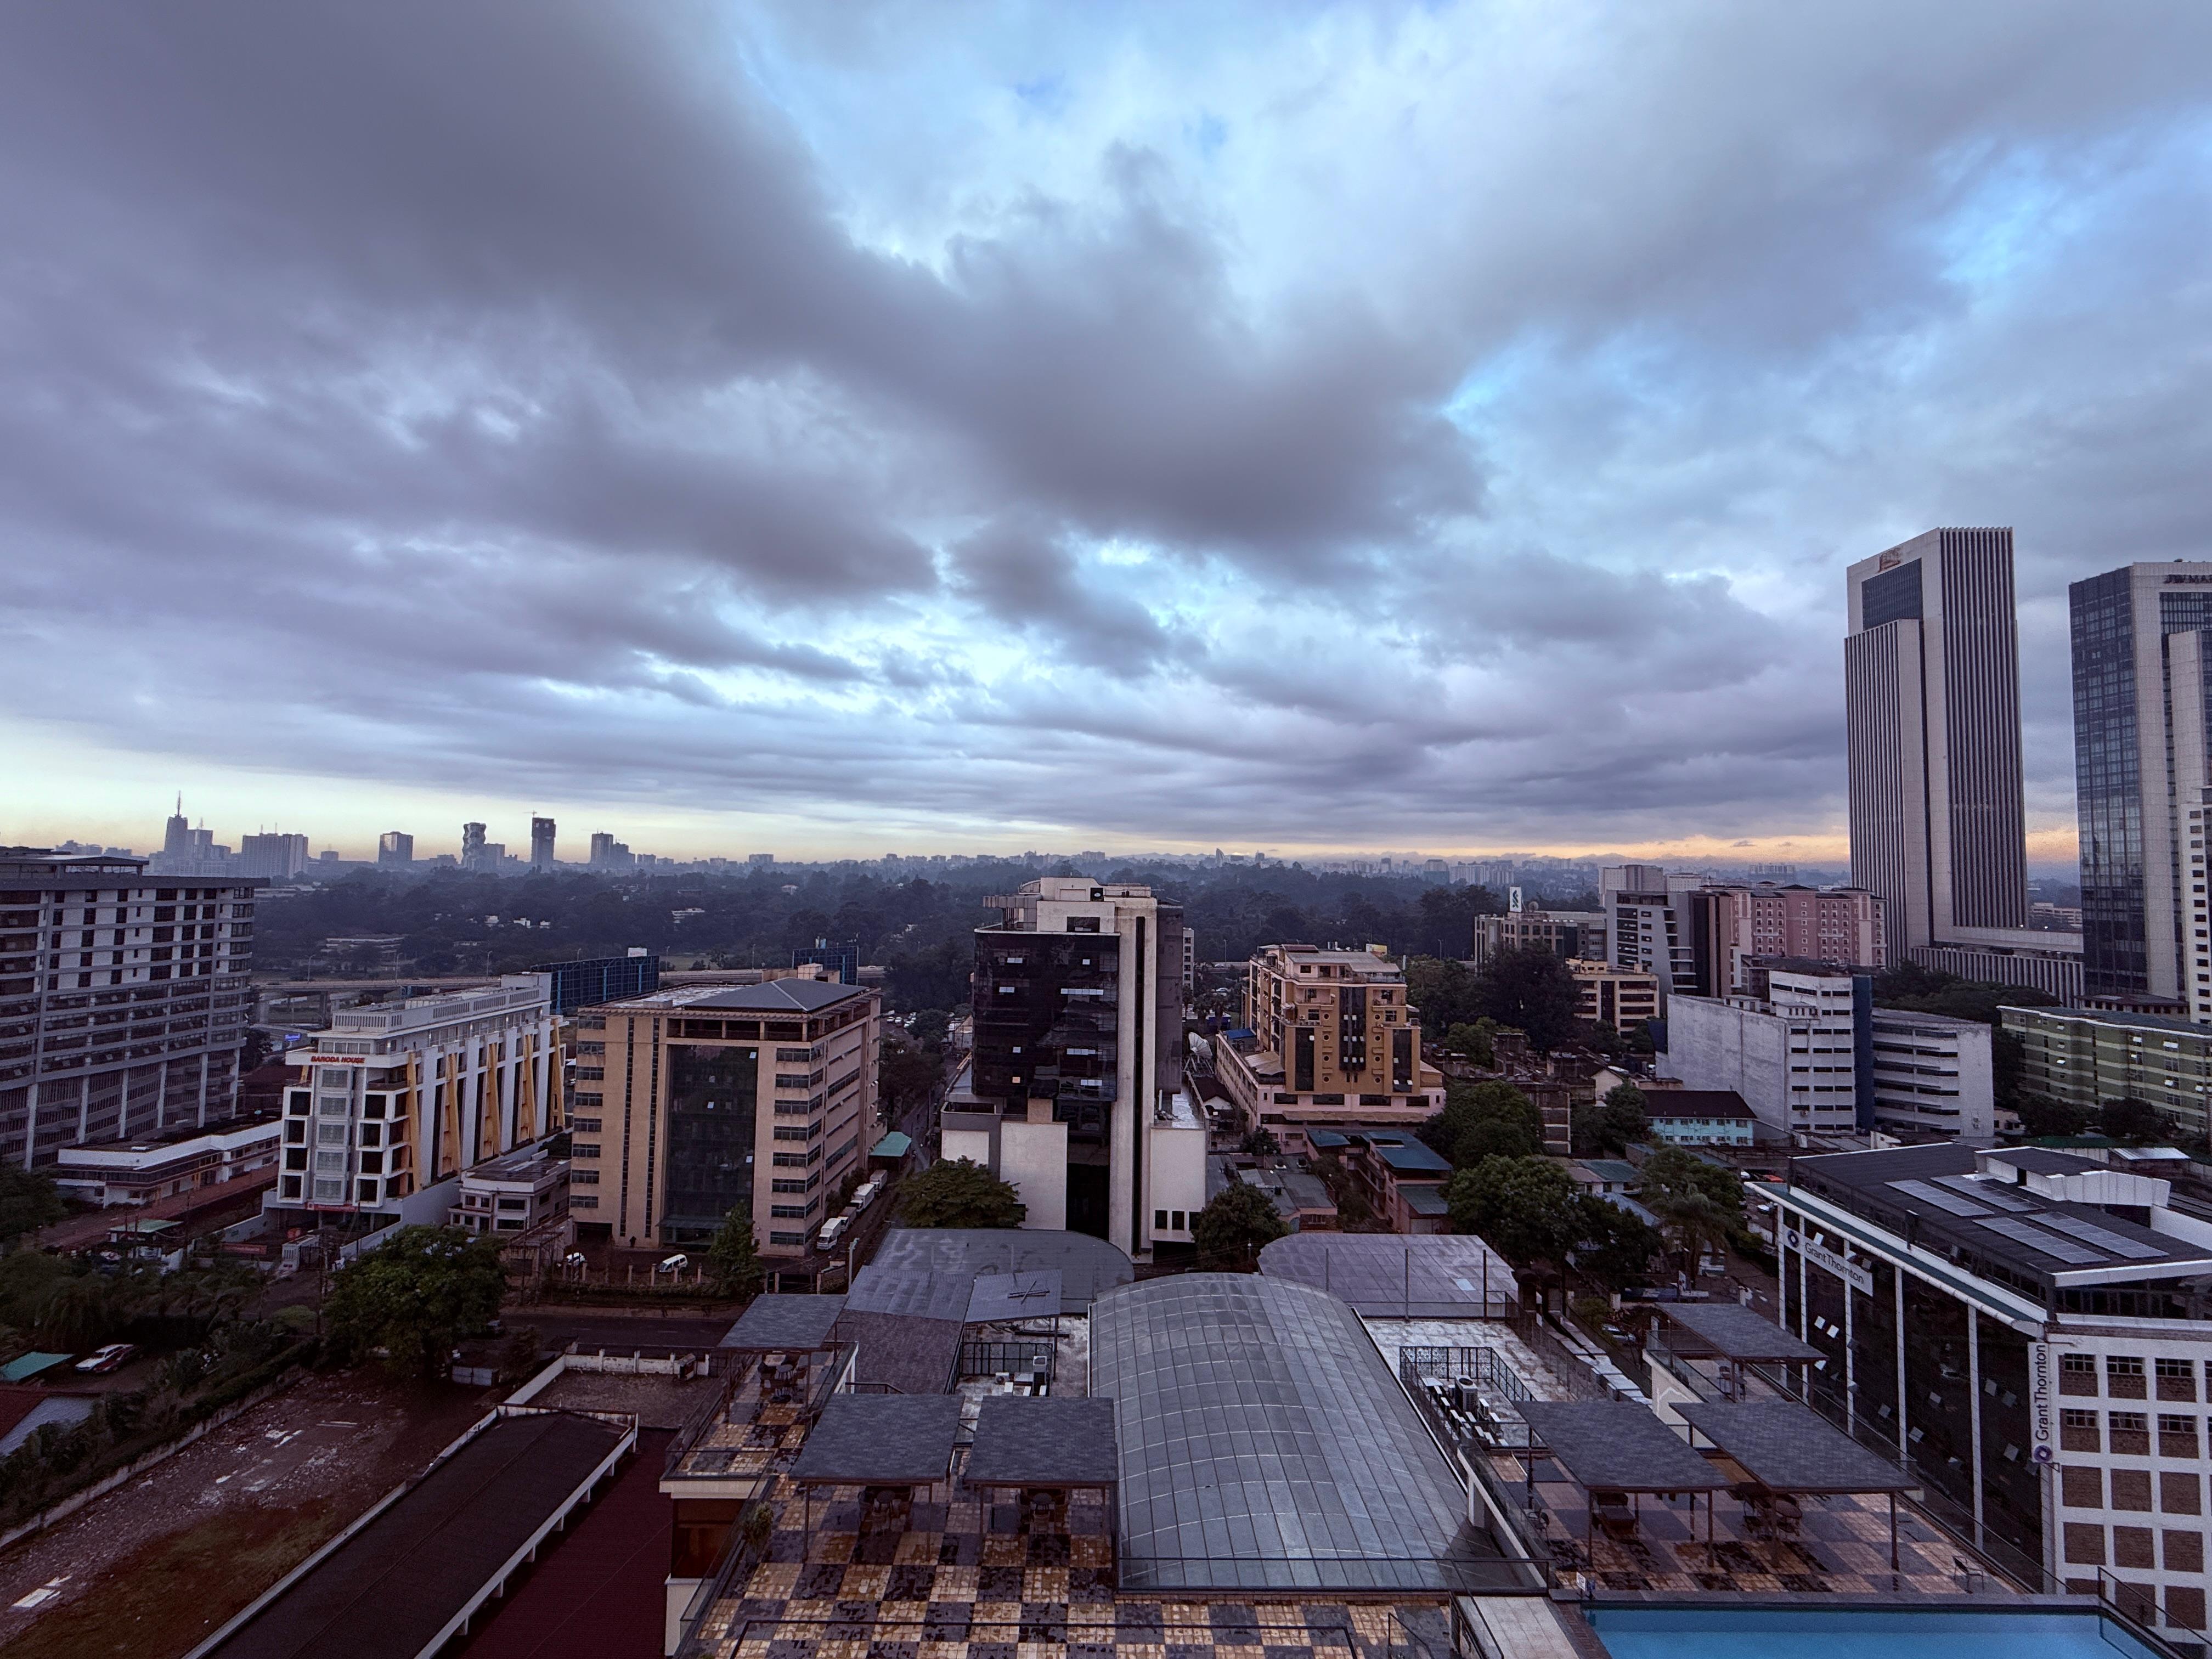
{"points": [[1640, 1632]]}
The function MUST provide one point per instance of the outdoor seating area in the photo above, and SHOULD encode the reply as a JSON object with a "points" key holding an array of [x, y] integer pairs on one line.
{"points": [[1781, 1502], [761, 1416]]}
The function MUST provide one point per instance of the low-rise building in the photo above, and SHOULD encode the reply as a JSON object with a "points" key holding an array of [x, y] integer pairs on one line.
{"points": [[1401, 1178], [1700, 1117], [523, 1190], [1798, 1050], [168, 1163], [1561, 932], [396, 1098], [1619, 997], [1933, 1077], [696, 1101], [1328, 1034], [1301, 1198], [2087, 1057]]}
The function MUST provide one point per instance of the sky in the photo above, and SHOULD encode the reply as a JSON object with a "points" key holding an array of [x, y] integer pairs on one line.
{"points": [[842, 429]]}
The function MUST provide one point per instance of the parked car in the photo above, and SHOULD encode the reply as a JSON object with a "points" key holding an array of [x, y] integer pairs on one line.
{"points": [[109, 1359]]}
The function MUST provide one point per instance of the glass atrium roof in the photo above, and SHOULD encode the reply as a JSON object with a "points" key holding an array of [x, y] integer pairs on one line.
{"points": [[1264, 1443]]}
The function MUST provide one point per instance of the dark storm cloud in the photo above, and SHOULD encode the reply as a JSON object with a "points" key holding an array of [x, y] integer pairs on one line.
{"points": [[1458, 447]]}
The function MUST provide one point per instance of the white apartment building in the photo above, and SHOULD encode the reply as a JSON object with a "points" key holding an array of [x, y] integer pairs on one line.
{"points": [[1795, 1053], [1647, 923], [523, 1190], [396, 1098], [1933, 1077], [168, 1165]]}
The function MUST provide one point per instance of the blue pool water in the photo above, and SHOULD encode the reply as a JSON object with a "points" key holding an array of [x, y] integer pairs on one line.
{"points": [[1851, 1633]]}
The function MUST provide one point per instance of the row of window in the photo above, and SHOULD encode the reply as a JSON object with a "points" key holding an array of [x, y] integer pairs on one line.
{"points": [[2127, 1432]]}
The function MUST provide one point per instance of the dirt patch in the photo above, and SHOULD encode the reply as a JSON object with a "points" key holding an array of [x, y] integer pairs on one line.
{"points": [[150, 1568]]}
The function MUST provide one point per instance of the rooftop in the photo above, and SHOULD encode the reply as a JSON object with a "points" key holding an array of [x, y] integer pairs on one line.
{"points": [[778, 996], [2005, 1227], [1417, 1276], [1664, 1104], [1087, 1266], [784, 1322]]}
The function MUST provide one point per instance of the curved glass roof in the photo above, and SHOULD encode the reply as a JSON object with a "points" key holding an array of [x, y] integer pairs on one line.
{"points": [[1264, 1443]]}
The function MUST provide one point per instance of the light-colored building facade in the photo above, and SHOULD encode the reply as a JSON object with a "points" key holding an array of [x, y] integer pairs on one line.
{"points": [[1332, 1040], [1794, 1053], [1843, 926], [526, 1188], [1933, 1077], [168, 1165], [693, 1102], [2090, 1058], [1078, 1058], [1648, 923], [1619, 997], [397, 1099], [124, 999]]}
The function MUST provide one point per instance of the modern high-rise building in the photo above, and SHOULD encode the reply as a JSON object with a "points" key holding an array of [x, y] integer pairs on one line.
{"points": [[608, 853], [1070, 1093], [395, 848], [1931, 672], [472, 847], [274, 857], [541, 843], [2143, 761], [124, 999]]}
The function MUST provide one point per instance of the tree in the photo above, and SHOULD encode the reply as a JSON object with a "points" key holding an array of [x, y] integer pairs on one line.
{"points": [[1524, 1208], [414, 1298], [958, 1192], [732, 1258], [1612, 1125], [1475, 1041], [2040, 1114], [905, 1075], [1262, 1143], [1698, 1203], [2130, 1119], [1616, 1247], [28, 1201], [1484, 1120], [1532, 991], [1442, 991], [1229, 1230]]}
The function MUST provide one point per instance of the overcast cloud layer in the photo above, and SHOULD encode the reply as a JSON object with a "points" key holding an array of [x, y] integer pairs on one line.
{"points": [[1440, 425]]}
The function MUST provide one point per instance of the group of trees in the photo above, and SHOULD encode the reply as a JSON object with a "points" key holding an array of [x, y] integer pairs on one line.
{"points": [[1528, 991], [409, 1301], [1484, 1120], [1529, 1211], [1608, 1127]]}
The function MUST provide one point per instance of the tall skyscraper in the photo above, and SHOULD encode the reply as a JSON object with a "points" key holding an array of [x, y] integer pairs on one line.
{"points": [[177, 834], [472, 846], [1931, 676], [277, 856], [2142, 691], [395, 847], [541, 843]]}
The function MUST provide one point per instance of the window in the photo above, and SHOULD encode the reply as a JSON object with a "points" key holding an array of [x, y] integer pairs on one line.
{"points": [[589, 1126], [2077, 1431], [584, 1149], [2130, 1432], [2123, 1377], [1176, 1224], [786, 1238], [1159, 1221]]}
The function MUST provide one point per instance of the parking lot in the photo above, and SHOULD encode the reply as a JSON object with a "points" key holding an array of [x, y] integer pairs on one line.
{"points": [[154, 1567]]}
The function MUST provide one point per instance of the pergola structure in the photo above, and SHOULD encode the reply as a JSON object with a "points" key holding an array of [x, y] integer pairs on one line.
{"points": [[1046, 1441], [1616, 1450], [1730, 1331], [878, 1440], [1788, 1450]]}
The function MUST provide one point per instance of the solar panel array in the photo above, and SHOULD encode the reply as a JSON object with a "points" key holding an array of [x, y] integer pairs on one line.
{"points": [[2037, 1238], [2104, 1238], [1987, 1192], [1949, 1203]]}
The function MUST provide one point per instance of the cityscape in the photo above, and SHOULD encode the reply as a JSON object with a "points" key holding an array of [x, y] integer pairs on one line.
{"points": [[1319, 834]]}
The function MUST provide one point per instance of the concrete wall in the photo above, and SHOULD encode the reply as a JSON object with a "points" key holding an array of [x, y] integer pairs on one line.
{"points": [[1033, 1161], [1713, 1045]]}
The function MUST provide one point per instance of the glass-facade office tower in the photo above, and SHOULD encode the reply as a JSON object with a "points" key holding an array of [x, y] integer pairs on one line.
{"points": [[1931, 673], [2140, 689]]}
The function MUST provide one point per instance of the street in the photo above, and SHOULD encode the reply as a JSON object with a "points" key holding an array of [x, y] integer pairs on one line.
{"points": [[618, 1330]]}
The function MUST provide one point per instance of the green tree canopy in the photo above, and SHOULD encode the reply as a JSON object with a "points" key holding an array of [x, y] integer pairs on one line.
{"points": [[1229, 1230], [414, 1298], [1612, 1125], [1261, 1143], [1524, 1208], [2131, 1120], [1616, 1247], [2040, 1114], [1474, 1041], [732, 1259], [28, 1201], [1532, 991], [1698, 1203], [958, 1192], [1442, 990], [1484, 1120]]}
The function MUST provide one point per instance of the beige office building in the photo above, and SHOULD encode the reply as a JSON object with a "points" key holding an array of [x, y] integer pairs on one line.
{"points": [[694, 1102], [1332, 1039]]}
